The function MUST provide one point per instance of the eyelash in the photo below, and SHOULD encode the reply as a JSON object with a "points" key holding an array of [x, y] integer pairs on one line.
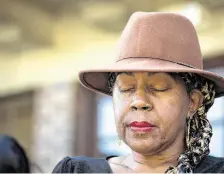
{"points": [[151, 89], [126, 90], [158, 90]]}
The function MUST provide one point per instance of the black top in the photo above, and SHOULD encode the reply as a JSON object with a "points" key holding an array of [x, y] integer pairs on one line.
{"points": [[81, 164]]}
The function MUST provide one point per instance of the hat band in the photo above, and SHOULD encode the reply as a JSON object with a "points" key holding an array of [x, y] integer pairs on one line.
{"points": [[179, 63]]}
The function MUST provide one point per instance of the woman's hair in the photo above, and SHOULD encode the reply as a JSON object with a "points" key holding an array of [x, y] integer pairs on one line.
{"points": [[13, 158], [198, 130]]}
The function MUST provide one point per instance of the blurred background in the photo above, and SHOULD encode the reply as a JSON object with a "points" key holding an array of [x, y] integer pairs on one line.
{"points": [[43, 44]]}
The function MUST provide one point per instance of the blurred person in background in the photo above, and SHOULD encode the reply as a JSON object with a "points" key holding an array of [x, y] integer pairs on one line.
{"points": [[13, 158], [161, 96]]}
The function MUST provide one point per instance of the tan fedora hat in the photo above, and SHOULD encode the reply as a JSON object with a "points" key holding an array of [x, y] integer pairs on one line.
{"points": [[154, 42]]}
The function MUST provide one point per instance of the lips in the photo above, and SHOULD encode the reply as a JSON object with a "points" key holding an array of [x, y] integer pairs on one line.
{"points": [[141, 126]]}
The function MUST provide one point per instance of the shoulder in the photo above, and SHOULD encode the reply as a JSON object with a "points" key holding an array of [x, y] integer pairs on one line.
{"points": [[82, 164], [211, 164]]}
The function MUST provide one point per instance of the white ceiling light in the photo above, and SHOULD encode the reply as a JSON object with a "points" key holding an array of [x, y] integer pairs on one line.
{"points": [[192, 10]]}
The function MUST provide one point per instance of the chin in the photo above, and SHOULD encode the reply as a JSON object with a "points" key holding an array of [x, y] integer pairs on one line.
{"points": [[143, 146]]}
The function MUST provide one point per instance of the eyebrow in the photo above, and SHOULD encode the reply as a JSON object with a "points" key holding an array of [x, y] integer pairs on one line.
{"points": [[128, 73], [151, 73]]}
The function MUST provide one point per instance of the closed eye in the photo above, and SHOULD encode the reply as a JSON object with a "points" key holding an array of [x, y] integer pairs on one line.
{"points": [[158, 90], [127, 89]]}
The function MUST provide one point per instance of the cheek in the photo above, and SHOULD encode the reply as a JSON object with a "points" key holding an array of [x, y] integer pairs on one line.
{"points": [[173, 111], [121, 106], [121, 109]]}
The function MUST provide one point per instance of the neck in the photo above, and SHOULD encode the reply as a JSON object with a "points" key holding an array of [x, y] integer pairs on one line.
{"points": [[160, 160]]}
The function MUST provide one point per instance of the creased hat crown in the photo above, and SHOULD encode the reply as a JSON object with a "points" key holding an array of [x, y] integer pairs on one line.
{"points": [[166, 36]]}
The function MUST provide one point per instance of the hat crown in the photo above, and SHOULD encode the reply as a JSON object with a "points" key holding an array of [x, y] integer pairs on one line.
{"points": [[166, 36]]}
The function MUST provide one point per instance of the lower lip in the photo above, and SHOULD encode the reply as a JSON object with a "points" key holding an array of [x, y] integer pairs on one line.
{"points": [[141, 129]]}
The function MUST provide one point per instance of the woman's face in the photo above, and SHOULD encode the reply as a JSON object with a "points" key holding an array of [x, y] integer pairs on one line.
{"points": [[150, 110]]}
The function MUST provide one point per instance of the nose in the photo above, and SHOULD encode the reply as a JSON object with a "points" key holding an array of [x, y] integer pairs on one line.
{"points": [[141, 105]]}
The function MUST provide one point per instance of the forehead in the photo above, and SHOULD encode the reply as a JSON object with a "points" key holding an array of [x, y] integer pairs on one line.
{"points": [[154, 77], [147, 74]]}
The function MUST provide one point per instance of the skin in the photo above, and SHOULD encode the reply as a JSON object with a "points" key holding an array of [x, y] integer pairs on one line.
{"points": [[162, 100]]}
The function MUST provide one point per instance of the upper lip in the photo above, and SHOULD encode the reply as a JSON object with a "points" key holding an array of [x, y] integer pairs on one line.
{"points": [[141, 124]]}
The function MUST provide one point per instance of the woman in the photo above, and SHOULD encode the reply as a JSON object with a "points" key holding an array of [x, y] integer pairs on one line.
{"points": [[161, 95], [13, 158]]}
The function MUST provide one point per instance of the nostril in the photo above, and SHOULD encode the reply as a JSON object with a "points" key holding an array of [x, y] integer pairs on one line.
{"points": [[145, 108], [134, 108]]}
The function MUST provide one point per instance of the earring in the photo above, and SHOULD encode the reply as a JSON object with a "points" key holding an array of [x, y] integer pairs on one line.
{"points": [[119, 141]]}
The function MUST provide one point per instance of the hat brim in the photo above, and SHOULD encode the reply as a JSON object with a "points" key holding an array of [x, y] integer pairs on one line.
{"points": [[97, 79]]}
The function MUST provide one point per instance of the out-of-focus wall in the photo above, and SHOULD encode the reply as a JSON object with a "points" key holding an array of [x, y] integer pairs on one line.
{"points": [[54, 121], [16, 118]]}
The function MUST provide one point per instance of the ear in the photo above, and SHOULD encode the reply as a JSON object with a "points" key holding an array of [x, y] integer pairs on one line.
{"points": [[196, 100]]}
